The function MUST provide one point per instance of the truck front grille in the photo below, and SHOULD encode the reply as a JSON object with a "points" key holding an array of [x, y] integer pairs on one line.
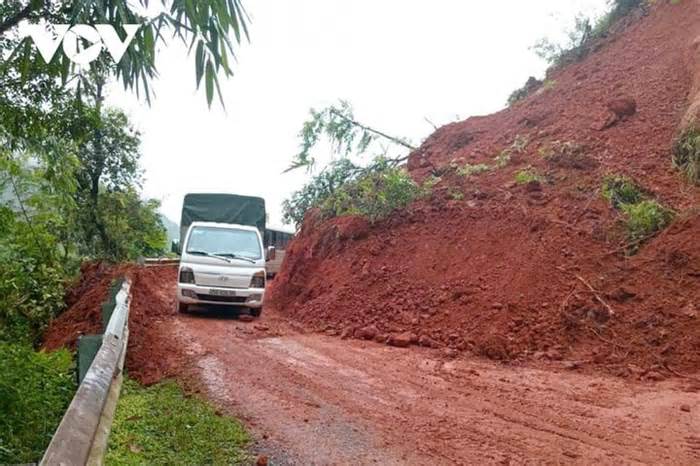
{"points": [[221, 299]]}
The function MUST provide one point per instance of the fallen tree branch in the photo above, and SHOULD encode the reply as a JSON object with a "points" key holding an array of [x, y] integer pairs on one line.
{"points": [[596, 294], [393, 139]]}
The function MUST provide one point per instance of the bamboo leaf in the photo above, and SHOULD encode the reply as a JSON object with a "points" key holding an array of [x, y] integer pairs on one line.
{"points": [[199, 62], [210, 76]]}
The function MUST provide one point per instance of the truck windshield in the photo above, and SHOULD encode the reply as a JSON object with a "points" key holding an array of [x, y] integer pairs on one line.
{"points": [[224, 242]]}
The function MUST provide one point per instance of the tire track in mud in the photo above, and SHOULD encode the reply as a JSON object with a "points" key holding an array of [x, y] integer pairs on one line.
{"points": [[313, 399]]}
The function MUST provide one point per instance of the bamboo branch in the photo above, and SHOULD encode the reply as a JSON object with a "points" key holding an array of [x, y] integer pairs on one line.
{"points": [[393, 139]]}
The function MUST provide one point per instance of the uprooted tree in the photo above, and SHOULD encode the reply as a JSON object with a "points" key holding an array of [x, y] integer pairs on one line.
{"points": [[344, 186]]}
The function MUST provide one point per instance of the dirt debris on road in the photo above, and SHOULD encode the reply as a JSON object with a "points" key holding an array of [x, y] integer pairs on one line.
{"points": [[315, 399], [321, 400]]}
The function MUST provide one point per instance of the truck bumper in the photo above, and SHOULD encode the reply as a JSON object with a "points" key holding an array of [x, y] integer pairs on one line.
{"points": [[194, 294]]}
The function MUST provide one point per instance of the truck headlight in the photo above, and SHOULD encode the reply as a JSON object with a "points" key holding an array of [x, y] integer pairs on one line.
{"points": [[258, 280], [186, 275]]}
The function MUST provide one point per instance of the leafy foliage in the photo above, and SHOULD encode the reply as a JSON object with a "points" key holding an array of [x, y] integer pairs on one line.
{"points": [[645, 218], [209, 27], [338, 126], [320, 188], [114, 222], [527, 175], [113, 163], [36, 243], [375, 194], [161, 425], [35, 390], [134, 226], [620, 190], [686, 154], [579, 41], [51, 178], [468, 169], [346, 189]]}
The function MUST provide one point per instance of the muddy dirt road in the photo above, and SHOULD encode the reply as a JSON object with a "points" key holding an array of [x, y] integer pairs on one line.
{"points": [[312, 399]]}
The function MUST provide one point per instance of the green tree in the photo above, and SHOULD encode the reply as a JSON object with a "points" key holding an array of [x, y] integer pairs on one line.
{"points": [[212, 28], [108, 151], [318, 190], [337, 125], [345, 187], [37, 244], [134, 226]]}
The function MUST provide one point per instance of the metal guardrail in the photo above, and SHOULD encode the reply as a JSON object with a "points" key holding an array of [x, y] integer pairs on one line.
{"points": [[154, 262], [81, 437]]}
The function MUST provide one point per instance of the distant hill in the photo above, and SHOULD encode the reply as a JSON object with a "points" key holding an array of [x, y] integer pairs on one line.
{"points": [[172, 228]]}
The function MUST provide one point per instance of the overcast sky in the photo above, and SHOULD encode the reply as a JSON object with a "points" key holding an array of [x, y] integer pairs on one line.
{"points": [[397, 62]]}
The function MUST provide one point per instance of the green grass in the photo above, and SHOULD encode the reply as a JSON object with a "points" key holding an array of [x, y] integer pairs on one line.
{"points": [[527, 175], [620, 190], [646, 218], [470, 170], [518, 147], [686, 155], [35, 390], [160, 425]]}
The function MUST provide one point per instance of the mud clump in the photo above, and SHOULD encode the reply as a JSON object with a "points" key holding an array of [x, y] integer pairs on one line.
{"points": [[84, 299], [150, 357], [403, 340], [623, 107]]}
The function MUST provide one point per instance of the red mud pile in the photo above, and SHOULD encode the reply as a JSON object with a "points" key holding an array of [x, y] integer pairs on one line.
{"points": [[150, 356], [84, 301], [516, 272]]}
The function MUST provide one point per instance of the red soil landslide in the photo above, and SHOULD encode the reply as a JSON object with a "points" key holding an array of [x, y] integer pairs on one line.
{"points": [[150, 358], [531, 275], [84, 300], [314, 399], [533, 272]]}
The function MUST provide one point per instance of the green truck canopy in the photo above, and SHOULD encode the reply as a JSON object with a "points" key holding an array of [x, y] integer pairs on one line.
{"points": [[222, 208]]}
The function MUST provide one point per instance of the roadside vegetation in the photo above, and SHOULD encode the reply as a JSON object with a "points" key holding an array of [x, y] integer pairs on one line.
{"points": [[70, 182], [162, 425], [35, 390]]}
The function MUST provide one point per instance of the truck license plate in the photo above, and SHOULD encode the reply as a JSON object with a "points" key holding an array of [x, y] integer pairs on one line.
{"points": [[226, 293]]}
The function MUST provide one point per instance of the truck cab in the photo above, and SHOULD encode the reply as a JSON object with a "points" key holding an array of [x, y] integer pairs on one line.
{"points": [[222, 264]]}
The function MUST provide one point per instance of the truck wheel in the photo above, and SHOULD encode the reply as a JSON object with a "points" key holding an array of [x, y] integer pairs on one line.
{"points": [[182, 308], [255, 312]]}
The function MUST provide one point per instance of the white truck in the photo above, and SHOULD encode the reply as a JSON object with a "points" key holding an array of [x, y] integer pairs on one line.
{"points": [[223, 263]]}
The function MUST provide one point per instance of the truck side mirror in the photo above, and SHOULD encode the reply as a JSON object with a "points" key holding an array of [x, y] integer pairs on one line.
{"points": [[271, 253], [175, 246]]}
